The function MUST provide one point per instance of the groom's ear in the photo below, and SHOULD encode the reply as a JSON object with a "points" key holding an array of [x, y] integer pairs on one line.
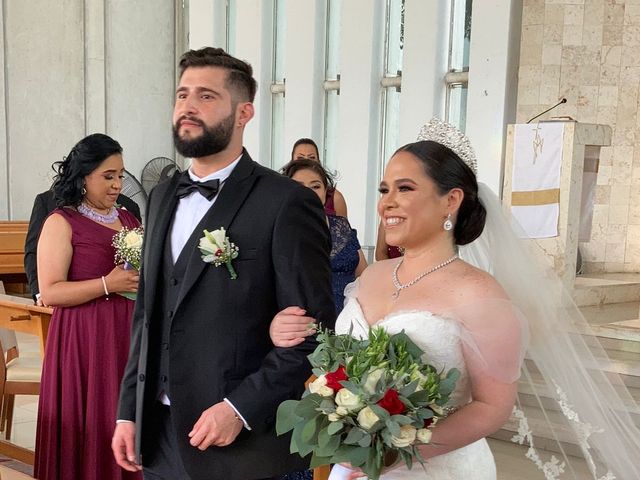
{"points": [[244, 113]]}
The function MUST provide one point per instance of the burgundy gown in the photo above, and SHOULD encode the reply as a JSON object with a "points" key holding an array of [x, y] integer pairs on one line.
{"points": [[85, 355]]}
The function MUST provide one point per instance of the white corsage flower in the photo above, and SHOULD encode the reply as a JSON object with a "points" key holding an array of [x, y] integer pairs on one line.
{"points": [[217, 249]]}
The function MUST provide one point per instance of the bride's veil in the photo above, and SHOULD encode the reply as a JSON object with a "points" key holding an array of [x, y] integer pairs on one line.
{"points": [[569, 401], [567, 394]]}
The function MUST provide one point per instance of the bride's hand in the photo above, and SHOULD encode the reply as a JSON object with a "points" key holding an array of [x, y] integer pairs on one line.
{"points": [[355, 472], [290, 327]]}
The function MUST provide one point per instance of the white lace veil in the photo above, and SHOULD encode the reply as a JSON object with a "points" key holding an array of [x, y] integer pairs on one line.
{"points": [[568, 393]]}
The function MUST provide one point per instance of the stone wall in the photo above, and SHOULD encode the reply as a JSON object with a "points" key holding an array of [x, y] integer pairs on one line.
{"points": [[589, 52]]}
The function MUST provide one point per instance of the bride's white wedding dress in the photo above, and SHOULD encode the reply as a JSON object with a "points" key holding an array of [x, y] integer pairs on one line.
{"points": [[440, 338]]}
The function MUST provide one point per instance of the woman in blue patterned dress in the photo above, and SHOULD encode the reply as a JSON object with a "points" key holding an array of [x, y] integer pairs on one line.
{"points": [[347, 259]]}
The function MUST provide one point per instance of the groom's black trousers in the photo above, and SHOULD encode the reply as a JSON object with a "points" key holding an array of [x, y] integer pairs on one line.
{"points": [[164, 463]]}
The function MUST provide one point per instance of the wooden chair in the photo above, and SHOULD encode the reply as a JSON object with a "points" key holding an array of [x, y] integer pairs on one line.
{"points": [[19, 375]]}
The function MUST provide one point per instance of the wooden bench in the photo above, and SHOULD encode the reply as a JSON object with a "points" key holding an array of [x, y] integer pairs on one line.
{"points": [[12, 237]]}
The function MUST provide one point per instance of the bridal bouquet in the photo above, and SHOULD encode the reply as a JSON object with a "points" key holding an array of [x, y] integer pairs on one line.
{"points": [[128, 245], [374, 401]]}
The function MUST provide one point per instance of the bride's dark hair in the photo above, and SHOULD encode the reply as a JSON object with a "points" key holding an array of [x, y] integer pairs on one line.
{"points": [[448, 171]]}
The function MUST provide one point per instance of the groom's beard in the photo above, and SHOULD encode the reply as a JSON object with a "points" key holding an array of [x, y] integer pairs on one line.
{"points": [[214, 139]]}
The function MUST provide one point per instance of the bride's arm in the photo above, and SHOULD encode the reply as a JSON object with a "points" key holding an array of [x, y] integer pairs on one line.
{"points": [[490, 408]]}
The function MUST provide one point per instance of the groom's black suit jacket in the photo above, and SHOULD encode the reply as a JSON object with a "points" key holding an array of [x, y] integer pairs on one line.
{"points": [[218, 331]]}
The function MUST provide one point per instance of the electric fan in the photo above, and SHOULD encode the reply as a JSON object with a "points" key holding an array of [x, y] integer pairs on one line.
{"points": [[156, 171], [132, 188]]}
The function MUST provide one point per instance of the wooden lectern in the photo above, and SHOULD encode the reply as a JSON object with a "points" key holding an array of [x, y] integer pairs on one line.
{"points": [[581, 143]]}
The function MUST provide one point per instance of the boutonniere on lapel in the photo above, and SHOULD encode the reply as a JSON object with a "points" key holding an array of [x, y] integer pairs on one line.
{"points": [[217, 249]]}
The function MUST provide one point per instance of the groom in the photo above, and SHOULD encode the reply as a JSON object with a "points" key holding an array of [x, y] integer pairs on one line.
{"points": [[203, 381]]}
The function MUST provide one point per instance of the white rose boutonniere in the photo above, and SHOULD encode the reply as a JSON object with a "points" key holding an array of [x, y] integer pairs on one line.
{"points": [[217, 249]]}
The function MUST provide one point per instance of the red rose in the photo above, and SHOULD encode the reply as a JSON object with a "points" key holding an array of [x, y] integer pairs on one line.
{"points": [[391, 402], [428, 422], [334, 378], [218, 253]]}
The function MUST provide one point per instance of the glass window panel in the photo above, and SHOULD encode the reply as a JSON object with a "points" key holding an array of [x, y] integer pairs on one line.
{"points": [[332, 72], [394, 36], [332, 60], [457, 105], [231, 27], [278, 155], [460, 35], [331, 128]]}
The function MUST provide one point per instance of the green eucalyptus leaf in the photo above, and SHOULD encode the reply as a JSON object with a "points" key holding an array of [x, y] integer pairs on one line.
{"points": [[286, 418]]}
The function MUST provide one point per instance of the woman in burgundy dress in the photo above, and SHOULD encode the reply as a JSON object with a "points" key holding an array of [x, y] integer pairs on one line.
{"points": [[88, 340]]}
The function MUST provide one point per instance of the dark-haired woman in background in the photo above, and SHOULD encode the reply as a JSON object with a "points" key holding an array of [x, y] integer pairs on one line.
{"points": [[347, 259], [334, 203], [88, 341]]}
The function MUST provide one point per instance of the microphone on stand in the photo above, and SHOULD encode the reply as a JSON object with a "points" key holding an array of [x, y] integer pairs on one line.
{"points": [[564, 100]]}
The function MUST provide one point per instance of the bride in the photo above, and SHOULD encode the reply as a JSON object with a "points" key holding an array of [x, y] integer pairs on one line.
{"points": [[463, 317]]}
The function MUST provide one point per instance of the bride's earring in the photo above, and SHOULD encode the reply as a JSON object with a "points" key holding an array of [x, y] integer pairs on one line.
{"points": [[448, 224]]}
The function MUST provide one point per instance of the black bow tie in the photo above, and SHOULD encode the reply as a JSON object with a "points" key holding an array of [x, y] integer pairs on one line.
{"points": [[207, 189]]}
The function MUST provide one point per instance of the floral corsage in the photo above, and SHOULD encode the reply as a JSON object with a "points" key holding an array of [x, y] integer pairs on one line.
{"points": [[217, 249]]}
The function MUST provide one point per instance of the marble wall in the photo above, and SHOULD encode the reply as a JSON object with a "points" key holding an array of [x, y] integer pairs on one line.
{"points": [[589, 52]]}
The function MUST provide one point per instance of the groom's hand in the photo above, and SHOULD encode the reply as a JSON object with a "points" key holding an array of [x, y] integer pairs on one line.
{"points": [[218, 425], [122, 446]]}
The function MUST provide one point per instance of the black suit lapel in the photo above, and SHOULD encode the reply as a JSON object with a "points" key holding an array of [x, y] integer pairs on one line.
{"points": [[156, 235], [230, 199]]}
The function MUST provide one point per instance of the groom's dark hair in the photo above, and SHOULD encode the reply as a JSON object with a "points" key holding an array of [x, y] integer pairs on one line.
{"points": [[240, 81]]}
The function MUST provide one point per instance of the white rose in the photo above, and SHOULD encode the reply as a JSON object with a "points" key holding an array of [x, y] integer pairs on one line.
{"points": [[424, 435], [133, 240], [367, 418], [319, 386], [348, 400], [370, 385], [333, 417], [406, 438], [219, 236], [207, 245], [342, 411]]}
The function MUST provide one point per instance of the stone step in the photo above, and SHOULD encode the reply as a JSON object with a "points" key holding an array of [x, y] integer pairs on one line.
{"points": [[532, 395], [619, 336], [606, 288], [611, 312]]}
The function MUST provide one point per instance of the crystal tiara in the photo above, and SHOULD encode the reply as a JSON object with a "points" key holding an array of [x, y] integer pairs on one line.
{"points": [[449, 136]]}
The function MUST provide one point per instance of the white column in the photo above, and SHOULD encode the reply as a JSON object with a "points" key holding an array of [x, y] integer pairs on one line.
{"points": [[358, 148], [424, 65], [44, 95], [140, 80], [495, 45], [304, 61], [94, 81]]}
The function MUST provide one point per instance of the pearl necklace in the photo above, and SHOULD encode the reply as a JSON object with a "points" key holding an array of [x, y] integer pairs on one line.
{"points": [[399, 286], [109, 217]]}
